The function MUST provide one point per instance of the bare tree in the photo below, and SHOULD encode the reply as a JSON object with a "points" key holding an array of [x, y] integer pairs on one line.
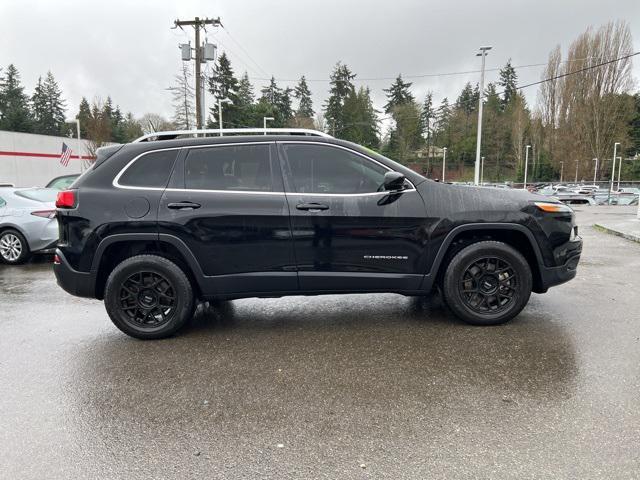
{"points": [[586, 112], [153, 122], [183, 94]]}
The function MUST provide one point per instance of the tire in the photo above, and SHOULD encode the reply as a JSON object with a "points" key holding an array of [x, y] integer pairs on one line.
{"points": [[487, 283], [14, 248], [148, 297]]}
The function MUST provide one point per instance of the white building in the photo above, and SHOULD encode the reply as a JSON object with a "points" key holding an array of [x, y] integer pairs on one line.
{"points": [[29, 160]]}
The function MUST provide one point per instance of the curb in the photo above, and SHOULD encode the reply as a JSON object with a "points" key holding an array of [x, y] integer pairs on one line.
{"points": [[618, 233]]}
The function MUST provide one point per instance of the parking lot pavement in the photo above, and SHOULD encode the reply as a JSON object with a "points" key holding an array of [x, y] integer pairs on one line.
{"points": [[361, 386]]}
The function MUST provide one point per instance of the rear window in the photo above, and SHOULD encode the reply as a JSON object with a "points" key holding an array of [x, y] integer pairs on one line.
{"points": [[237, 168], [151, 170], [38, 194]]}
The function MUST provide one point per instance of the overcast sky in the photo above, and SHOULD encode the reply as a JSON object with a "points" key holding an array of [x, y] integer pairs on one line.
{"points": [[126, 49]]}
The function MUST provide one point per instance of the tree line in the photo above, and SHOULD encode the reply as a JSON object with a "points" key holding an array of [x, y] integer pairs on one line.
{"points": [[579, 114]]}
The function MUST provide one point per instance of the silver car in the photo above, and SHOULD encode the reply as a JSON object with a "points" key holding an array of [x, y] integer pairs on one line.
{"points": [[27, 223]]}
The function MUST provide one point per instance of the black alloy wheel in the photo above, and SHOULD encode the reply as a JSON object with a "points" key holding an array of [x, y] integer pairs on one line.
{"points": [[487, 283]]}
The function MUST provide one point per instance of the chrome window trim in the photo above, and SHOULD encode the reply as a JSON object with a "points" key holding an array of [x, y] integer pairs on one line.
{"points": [[116, 180]]}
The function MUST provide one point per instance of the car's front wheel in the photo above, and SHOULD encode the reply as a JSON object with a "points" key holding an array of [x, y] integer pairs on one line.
{"points": [[487, 283], [14, 248], [148, 297]]}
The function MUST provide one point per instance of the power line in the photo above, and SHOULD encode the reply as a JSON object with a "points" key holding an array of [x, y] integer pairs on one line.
{"points": [[423, 75], [245, 51]]}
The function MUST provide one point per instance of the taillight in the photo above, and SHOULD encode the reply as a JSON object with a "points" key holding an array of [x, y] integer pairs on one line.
{"points": [[56, 259], [45, 213], [66, 199]]}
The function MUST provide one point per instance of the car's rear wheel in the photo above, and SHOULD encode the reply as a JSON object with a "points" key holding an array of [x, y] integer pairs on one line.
{"points": [[487, 283], [14, 248], [148, 297]]}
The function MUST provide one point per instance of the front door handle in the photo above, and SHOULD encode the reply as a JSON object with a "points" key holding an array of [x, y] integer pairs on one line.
{"points": [[183, 206], [312, 207]]}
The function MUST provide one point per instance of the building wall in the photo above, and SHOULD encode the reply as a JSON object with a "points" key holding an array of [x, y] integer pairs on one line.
{"points": [[29, 160]]}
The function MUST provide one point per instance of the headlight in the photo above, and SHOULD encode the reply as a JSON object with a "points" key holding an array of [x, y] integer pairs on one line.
{"points": [[552, 207]]}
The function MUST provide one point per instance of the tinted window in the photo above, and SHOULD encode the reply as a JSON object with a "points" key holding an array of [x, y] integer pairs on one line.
{"points": [[38, 194], [150, 171], [240, 167], [322, 169]]}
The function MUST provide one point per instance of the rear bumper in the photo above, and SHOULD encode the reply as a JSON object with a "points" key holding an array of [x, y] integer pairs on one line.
{"points": [[552, 276], [80, 284]]}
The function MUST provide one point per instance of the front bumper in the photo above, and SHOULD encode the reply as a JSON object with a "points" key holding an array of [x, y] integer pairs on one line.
{"points": [[552, 276], [80, 284]]}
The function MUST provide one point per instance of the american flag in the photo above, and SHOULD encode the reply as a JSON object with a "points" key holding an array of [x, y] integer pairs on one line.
{"points": [[65, 155]]}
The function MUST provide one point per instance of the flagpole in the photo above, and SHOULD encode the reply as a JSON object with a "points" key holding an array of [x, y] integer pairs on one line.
{"points": [[79, 145]]}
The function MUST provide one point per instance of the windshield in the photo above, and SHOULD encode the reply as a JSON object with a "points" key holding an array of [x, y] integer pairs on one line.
{"points": [[38, 194], [62, 183]]}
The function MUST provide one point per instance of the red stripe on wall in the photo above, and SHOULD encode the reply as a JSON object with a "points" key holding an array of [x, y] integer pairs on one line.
{"points": [[41, 155]]}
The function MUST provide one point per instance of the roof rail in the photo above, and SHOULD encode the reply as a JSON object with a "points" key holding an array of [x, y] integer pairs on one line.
{"points": [[169, 135]]}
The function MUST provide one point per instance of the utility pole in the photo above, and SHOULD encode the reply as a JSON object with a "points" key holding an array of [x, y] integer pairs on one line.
{"points": [[595, 171], [198, 23], [577, 165], [561, 170], [483, 54]]}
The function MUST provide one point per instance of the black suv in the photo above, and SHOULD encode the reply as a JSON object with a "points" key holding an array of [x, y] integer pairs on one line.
{"points": [[155, 226]]}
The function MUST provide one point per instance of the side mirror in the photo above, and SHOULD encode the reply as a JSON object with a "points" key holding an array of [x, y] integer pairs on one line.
{"points": [[393, 181]]}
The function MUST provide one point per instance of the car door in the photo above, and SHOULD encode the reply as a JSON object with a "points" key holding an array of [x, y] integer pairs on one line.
{"points": [[348, 235], [226, 203]]}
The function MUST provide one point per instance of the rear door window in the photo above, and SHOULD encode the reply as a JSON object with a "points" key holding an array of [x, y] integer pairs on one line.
{"points": [[151, 170], [244, 168]]}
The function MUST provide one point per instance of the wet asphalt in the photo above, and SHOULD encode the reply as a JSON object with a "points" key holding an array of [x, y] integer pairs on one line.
{"points": [[359, 386]]}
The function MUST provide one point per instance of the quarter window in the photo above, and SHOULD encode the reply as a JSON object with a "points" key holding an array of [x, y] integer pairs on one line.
{"points": [[151, 170], [233, 167], [2, 202], [323, 169]]}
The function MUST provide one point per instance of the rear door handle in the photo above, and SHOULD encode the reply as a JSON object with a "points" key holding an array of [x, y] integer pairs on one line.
{"points": [[183, 206], [312, 207]]}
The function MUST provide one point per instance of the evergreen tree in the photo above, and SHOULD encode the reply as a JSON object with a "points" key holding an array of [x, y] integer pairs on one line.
{"points": [[15, 114], [284, 109], [84, 115], [361, 121], [303, 95], [271, 93], [224, 85], [468, 99], [246, 111], [398, 94], [427, 117], [341, 86], [509, 83]]}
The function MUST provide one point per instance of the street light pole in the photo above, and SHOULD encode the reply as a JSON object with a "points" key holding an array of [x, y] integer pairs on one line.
{"points": [[220, 102], [595, 171], [264, 123], [526, 165], [561, 170], [619, 171], [613, 171], [444, 162], [481, 170], [483, 54], [577, 165]]}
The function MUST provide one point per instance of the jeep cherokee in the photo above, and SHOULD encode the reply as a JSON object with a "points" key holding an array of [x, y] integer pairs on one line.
{"points": [[159, 224]]}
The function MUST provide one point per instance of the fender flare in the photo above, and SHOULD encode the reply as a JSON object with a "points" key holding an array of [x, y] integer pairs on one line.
{"points": [[448, 240], [182, 247]]}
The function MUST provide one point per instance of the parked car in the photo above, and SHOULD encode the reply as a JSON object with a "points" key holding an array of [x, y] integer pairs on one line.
{"points": [[63, 182], [155, 226], [27, 223]]}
